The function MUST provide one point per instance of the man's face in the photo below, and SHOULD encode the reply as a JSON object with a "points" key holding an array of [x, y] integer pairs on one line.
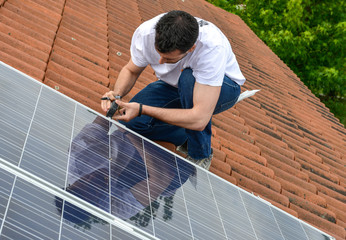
{"points": [[171, 57], [174, 56]]}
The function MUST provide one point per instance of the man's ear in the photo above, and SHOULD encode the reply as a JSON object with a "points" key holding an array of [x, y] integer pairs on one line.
{"points": [[192, 48]]}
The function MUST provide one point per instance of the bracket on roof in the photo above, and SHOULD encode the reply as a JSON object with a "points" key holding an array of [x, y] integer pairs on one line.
{"points": [[246, 94]]}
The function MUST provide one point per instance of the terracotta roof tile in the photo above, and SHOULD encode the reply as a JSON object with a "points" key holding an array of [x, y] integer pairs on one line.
{"points": [[37, 10], [341, 223], [9, 40], [310, 159], [294, 179], [22, 56], [276, 148], [295, 172], [311, 207], [83, 43], [331, 181], [266, 139], [255, 176], [335, 167], [30, 21], [23, 26], [85, 32], [96, 22], [335, 193], [215, 143], [230, 114], [300, 192], [282, 143], [324, 173], [331, 228], [33, 42], [75, 77], [335, 204], [77, 68], [330, 154], [221, 166], [255, 187], [61, 81], [22, 65], [83, 53], [260, 168], [234, 128], [235, 152], [82, 61], [217, 153], [75, 23], [262, 126], [236, 144], [299, 145]]}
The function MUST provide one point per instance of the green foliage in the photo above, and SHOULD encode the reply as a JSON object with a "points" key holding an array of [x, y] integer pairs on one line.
{"points": [[308, 35]]}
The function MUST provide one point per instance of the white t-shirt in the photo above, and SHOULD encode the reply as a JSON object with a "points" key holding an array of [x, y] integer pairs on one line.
{"points": [[210, 61]]}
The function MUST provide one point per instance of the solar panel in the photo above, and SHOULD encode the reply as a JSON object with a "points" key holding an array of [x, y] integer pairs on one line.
{"points": [[67, 173]]}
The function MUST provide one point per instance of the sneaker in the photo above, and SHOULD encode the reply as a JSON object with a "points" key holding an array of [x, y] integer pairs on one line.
{"points": [[204, 162], [183, 148]]}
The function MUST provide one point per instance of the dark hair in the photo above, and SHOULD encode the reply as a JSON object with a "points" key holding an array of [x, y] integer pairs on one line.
{"points": [[176, 30]]}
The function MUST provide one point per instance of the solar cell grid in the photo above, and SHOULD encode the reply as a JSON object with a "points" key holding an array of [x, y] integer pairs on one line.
{"points": [[232, 211], [262, 219], [290, 229], [69, 173]]}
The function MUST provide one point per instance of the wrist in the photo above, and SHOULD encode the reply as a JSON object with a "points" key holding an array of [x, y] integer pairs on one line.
{"points": [[117, 96], [140, 110]]}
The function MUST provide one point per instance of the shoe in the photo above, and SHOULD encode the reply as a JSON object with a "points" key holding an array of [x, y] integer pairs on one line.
{"points": [[183, 148], [204, 162]]}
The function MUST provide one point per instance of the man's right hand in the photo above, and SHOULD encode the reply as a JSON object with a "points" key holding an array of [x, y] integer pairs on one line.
{"points": [[126, 79], [106, 104]]}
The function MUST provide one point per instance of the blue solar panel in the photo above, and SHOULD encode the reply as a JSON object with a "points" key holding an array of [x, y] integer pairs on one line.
{"points": [[69, 173]]}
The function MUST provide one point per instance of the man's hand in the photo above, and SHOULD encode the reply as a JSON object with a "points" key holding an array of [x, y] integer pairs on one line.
{"points": [[126, 79], [106, 104], [127, 112]]}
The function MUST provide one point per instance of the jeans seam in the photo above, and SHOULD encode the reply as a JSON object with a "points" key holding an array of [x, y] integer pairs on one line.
{"points": [[232, 85], [229, 103], [152, 119]]}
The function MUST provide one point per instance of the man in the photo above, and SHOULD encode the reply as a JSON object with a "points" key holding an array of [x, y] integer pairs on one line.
{"points": [[198, 77]]}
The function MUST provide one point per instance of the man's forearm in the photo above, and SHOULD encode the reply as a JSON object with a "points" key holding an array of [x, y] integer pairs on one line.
{"points": [[186, 118], [127, 78], [125, 82]]}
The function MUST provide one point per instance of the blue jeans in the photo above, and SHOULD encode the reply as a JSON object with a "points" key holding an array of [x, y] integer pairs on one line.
{"points": [[163, 95]]}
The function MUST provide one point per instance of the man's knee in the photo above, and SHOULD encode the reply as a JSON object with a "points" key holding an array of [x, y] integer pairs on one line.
{"points": [[186, 79], [140, 125]]}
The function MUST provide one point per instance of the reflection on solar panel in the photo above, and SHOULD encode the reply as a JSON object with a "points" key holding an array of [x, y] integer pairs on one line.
{"points": [[69, 173]]}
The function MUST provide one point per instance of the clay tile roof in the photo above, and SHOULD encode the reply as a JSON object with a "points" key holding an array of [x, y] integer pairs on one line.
{"points": [[283, 144]]}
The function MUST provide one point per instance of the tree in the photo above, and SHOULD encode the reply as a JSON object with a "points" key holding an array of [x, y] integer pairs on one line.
{"points": [[309, 36]]}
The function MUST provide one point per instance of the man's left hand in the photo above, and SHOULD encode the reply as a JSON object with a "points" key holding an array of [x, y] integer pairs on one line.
{"points": [[127, 111]]}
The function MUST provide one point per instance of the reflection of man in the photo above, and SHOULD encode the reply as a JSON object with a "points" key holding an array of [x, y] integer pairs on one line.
{"points": [[198, 77], [90, 168]]}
